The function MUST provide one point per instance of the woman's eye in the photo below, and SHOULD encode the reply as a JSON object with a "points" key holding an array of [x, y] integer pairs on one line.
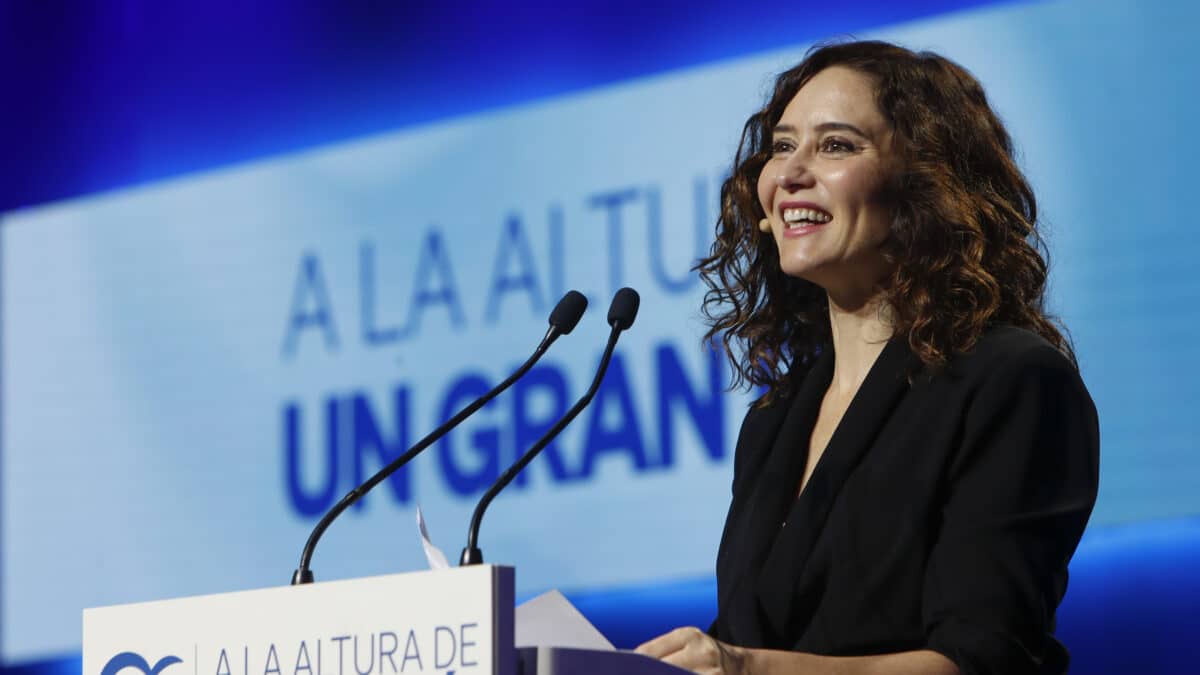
{"points": [[837, 145], [781, 146]]}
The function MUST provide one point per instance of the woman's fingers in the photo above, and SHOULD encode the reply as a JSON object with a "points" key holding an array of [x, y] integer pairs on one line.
{"points": [[668, 643], [688, 648]]}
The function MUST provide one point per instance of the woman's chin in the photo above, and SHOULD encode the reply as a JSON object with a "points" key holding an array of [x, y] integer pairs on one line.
{"points": [[802, 267]]}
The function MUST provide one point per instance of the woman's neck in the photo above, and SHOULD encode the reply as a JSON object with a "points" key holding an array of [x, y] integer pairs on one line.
{"points": [[861, 329]]}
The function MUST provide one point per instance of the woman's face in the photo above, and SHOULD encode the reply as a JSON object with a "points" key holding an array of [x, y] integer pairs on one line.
{"points": [[823, 188]]}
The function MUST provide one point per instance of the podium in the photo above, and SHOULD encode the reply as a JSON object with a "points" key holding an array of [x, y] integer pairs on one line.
{"points": [[449, 622]]}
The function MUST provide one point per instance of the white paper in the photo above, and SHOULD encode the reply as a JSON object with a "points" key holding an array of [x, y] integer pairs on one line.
{"points": [[550, 620], [433, 554]]}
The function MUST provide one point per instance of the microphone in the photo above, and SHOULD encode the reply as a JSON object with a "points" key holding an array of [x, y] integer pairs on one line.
{"points": [[562, 321], [621, 314]]}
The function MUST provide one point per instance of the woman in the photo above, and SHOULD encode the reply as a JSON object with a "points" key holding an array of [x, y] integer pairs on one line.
{"points": [[910, 488]]}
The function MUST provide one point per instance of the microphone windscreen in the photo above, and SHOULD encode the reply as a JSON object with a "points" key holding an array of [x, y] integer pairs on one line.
{"points": [[624, 308], [568, 311]]}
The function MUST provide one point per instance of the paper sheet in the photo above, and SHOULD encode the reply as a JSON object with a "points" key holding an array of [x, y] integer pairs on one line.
{"points": [[433, 554], [550, 620]]}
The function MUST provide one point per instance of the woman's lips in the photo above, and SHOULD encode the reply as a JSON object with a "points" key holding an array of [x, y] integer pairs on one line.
{"points": [[794, 231], [783, 206]]}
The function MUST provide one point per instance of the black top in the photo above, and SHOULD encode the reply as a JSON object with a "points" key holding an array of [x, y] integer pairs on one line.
{"points": [[941, 515]]}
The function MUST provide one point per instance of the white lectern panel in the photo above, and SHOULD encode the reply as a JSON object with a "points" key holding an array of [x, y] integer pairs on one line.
{"points": [[449, 621]]}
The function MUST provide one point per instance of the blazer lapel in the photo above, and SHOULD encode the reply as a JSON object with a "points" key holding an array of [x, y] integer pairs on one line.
{"points": [[887, 381], [751, 528], [775, 488]]}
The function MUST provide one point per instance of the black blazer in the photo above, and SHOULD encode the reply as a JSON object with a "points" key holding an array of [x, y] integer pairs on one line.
{"points": [[941, 516]]}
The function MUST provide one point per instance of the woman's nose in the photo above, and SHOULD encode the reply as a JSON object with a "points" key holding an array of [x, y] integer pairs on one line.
{"points": [[793, 175]]}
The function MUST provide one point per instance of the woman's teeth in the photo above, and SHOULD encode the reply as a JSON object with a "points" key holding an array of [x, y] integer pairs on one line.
{"points": [[797, 217]]}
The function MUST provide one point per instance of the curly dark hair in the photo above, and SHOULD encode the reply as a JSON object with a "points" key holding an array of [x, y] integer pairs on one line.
{"points": [[964, 245]]}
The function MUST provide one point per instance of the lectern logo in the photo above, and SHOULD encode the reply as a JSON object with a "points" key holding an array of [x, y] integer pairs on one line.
{"points": [[132, 660]]}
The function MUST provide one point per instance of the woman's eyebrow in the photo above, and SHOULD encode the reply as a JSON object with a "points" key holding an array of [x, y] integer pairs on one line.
{"points": [[841, 126], [822, 127]]}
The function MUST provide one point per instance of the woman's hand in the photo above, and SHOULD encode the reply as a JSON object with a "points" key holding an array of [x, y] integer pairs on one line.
{"points": [[694, 650]]}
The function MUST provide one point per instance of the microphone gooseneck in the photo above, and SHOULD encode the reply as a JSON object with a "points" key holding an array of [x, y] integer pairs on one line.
{"points": [[563, 319], [621, 314]]}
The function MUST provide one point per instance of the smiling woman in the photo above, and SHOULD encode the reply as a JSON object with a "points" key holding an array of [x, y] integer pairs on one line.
{"points": [[910, 488], [829, 146], [961, 218]]}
